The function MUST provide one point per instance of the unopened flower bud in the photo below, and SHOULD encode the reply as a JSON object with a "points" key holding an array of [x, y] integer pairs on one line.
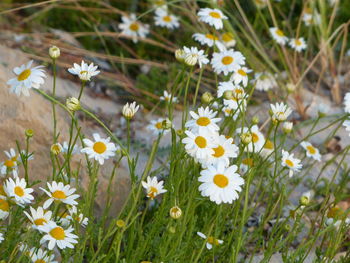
{"points": [[129, 110], [29, 133], [255, 120], [180, 55], [191, 59], [73, 104], [120, 223], [179, 132], [207, 97], [54, 52], [228, 95], [246, 138], [172, 230], [56, 148], [304, 200], [291, 87], [287, 127], [175, 212]]}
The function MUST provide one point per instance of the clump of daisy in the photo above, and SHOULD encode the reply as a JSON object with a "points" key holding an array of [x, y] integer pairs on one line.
{"points": [[57, 235], [293, 164], [153, 187], [168, 97], [311, 151], [221, 184], [192, 56], [163, 19], [100, 150], [84, 71], [133, 28], [18, 191], [212, 17], [298, 44], [278, 36], [211, 241], [59, 192], [227, 61], [280, 111], [27, 77]]}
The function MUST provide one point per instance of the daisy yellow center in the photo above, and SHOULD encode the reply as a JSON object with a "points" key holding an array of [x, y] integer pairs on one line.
{"points": [[40, 261], [19, 191], [297, 42], [219, 151], [99, 147], [213, 241], [152, 192], [255, 137], [268, 145], [58, 194], [279, 33], [228, 110], [58, 233], [220, 180], [83, 72], [167, 19], [134, 27], [203, 121], [215, 14], [227, 60], [238, 91], [201, 141], [10, 163], [248, 161], [289, 163], [226, 37], [334, 212], [40, 221], [158, 125], [311, 149], [210, 36], [24, 75], [242, 72], [4, 205]]}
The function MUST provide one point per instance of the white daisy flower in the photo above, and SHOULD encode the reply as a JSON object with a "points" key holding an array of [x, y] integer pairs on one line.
{"points": [[257, 138], [156, 126], [211, 241], [64, 219], [267, 149], [133, 28], [234, 106], [212, 17], [57, 235], [241, 76], [193, 56], [280, 111], [38, 217], [74, 148], [346, 124], [246, 164], [129, 110], [199, 145], [26, 78], [221, 184], [100, 150], [227, 61], [311, 18], [18, 191], [4, 208], [11, 164], [168, 97], [224, 150], [311, 151], [234, 112], [278, 35], [41, 256], [208, 40], [298, 44], [60, 193], [1, 237], [237, 91], [205, 120], [264, 81], [153, 187], [290, 162], [347, 102], [163, 19], [79, 217], [84, 71], [228, 40]]}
